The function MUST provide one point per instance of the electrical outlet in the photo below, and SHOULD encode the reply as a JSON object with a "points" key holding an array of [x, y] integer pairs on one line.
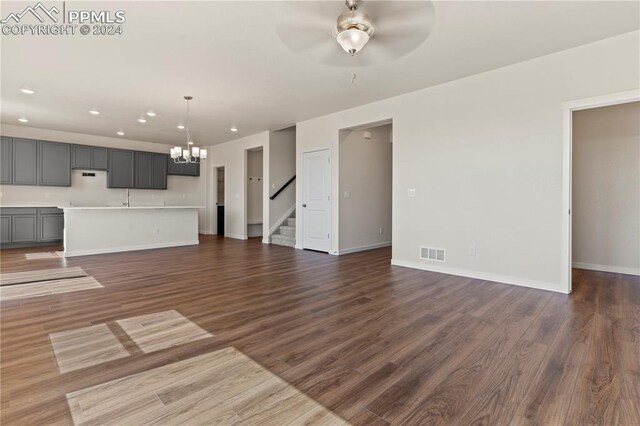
{"points": [[347, 194], [471, 250], [380, 230], [411, 193], [156, 231]]}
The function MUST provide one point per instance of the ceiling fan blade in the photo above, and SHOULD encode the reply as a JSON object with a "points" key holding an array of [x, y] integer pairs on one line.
{"points": [[306, 28], [400, 14], [298, 36], [303, 24]]}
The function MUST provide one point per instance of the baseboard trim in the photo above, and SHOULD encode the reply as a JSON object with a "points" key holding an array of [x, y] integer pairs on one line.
{"points": [[503, 279], [128, 248], [236, 236], [607, 268], [363, 248]]}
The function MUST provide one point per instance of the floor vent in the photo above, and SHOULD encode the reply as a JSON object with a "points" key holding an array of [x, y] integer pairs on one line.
{"points": [[430, 253]]}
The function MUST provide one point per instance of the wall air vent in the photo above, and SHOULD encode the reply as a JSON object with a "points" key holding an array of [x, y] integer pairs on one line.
{"points": [[430, 253]]}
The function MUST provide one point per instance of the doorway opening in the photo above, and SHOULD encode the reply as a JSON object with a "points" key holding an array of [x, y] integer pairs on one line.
{"points": [[220, 178], [605, 189], [366, 190], [254, 186]]}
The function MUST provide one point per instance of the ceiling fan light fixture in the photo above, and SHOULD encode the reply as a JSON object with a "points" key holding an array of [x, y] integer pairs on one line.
{"points": [[352, 40]]}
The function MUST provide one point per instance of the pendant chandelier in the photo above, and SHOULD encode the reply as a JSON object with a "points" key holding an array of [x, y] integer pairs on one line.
{"points": [[190, 154]]}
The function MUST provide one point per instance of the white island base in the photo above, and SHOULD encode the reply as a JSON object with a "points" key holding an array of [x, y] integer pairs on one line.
{"points": [[98, 230]]}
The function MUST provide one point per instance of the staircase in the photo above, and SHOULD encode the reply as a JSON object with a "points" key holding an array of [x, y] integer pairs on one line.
{"points": [[286, 235]]}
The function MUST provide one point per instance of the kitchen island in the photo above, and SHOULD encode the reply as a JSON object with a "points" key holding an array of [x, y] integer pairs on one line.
{"points": [[101, 229]]}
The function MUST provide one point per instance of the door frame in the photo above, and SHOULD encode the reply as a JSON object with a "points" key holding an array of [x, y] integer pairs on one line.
{"points": [[331, 196], [567, 163], [214, 196]]}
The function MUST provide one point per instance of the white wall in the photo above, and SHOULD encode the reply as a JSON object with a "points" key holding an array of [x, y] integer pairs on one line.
{"points": [[232, 155], [181, 190], [484, 154], [365, 174], [282, 166], [606, 188]]}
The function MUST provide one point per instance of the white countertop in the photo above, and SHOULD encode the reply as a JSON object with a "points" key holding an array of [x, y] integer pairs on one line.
{"points": [[127, 208]]}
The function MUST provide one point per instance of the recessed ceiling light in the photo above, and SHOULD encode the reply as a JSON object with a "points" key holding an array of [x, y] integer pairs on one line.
{"points": [[23, 120], [142, 120], [120, 133], [94, 111], [234, 129], [27, 91], [180, 126], [151, 114]]}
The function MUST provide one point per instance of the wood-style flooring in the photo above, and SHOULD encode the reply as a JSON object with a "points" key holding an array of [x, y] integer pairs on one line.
{"points": [[161, 330], [372, 343], [220, 387], [85, 347], [47, 288], [40, 275]]}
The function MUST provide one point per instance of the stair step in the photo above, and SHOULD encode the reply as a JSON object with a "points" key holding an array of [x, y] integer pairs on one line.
{"points": [[291, 221], [283, 240], [288, 230]]}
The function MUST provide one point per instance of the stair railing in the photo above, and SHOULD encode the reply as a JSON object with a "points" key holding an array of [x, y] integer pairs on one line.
{"points": [[282, 188]]}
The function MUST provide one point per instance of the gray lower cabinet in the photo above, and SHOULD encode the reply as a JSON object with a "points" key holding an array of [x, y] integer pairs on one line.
{"points": [[5, 160], [51, 227], [24, 227], [5, 229], [24, 155], [85, 157], [121, 169], [54, 164]]}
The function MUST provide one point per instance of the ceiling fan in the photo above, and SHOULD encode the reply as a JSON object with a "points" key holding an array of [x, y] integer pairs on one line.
{"points": [[367, 32]]}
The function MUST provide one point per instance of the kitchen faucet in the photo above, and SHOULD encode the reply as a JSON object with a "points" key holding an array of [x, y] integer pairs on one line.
{"points": [[127, 202]]}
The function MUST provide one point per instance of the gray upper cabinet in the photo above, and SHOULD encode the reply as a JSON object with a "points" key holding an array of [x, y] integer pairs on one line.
{"points": [[181, 169], [81, 157], [159, 173], [121, 169], [6, 161], [144, 170], [151, 170], [24, 156], [54, 164], [99, 158], [87, 157]]}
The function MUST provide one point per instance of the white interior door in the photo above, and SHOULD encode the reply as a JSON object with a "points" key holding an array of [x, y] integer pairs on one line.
{"points": [[316, 201]]}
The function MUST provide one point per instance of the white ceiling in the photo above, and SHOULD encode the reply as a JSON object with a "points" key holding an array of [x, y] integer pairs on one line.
{"points": [[229, 57]]}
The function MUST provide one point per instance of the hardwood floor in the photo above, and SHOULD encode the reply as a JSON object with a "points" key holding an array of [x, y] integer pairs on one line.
{"points": [[373, 343], [161, 330]]}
